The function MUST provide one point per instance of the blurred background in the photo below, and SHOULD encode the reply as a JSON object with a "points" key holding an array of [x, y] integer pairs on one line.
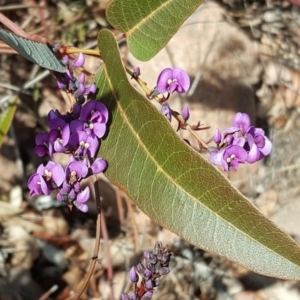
{"points": [[241, 56]]}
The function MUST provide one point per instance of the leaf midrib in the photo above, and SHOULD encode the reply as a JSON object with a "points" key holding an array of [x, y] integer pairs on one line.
{"points": [[144, 20], [167, 176]]}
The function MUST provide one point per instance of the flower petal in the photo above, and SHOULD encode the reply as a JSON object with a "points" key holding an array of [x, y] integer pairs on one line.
{"points": [[253, 154], [103, 110], [99, 129], [99, 165], [58, 174], [93, 143], [81, 199], [79, 168], [162, 80], [183, 79], [185, 112], [76, 125], [242, 121], [34, 185], [86, 110]]}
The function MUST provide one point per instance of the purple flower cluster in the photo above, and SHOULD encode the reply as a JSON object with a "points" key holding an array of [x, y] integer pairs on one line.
{"points": [[77, 133], [68, 82], [145, 275], [239, 144]]}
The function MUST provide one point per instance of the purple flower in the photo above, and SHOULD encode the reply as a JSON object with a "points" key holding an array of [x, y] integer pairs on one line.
{"points": [[46, 179], [76, 171], [90, 108], [59, 134], [171, 80], [34, 185], [43, 145], [259, 145], [231, 156], [93, 119], [84, 144], [241, 121]]}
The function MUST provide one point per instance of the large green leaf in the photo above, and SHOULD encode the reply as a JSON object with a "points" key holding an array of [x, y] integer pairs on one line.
{"points": [[177, 188], [149, 24], [6, 118]]}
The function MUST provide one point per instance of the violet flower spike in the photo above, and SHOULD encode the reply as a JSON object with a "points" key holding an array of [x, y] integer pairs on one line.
{"points": [[151, 267], [171, 80]]}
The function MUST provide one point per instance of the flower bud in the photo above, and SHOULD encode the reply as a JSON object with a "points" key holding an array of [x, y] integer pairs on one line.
{"points": [[149, 284], [79, 61], [136, 72], [185, 113], [133, 276], [217, 136], [148, 295]]}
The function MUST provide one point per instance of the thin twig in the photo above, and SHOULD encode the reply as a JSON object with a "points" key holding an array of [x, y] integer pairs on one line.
{"points": [[120, 208], [46, 295], [12, 26], [97, 243], [110, 274], [20, 6]]}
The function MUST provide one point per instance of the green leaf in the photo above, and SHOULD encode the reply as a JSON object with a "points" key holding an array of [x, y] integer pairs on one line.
{"points": [[176, 187], [149, 24], [6, 118]]}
